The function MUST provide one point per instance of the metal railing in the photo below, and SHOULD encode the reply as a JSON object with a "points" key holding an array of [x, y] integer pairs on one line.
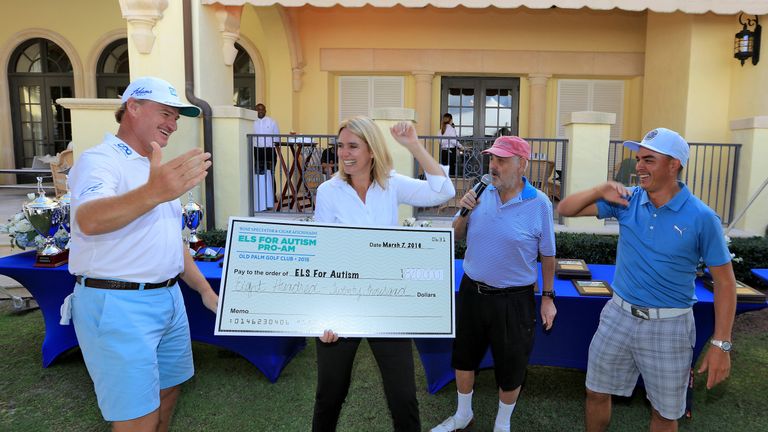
{"points": [[710, 173], [287, 169], [546, 169]]}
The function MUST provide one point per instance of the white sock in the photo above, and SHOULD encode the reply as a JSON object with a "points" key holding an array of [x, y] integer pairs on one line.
{"points": [[504, 415], [464, 409]]}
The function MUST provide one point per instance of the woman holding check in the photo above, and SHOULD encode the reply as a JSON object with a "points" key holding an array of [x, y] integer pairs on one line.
{"points": [[367, 191]]}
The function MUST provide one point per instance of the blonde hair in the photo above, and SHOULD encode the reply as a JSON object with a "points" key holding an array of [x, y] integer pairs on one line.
{"points": [[365, 129]]}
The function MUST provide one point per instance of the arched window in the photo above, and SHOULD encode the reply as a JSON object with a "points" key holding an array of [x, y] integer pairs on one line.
{"points": [[244, 94], [39, 73], [112, 71]]}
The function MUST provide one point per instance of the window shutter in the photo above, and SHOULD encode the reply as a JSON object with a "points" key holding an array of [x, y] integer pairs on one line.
{"points": [[387, 92], [591, 95], [572, 96], [354, 96], [358, 95], [608, 96]]}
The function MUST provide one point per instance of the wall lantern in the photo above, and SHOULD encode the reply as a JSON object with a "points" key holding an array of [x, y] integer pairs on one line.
{"points": [[747, 42]]}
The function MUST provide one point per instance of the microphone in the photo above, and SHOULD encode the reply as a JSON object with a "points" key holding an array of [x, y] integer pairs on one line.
{"points": [[479, 188]]}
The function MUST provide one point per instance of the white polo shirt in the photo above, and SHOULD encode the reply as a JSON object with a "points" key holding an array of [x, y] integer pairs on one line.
{"points": [[150, 248], [266, 126], [338, 202]]}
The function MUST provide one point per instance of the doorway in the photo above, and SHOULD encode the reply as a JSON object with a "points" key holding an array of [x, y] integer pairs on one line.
{"points": [[482, 107], [39, 73]]}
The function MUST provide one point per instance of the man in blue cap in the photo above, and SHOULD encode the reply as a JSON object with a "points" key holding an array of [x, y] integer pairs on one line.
{"points": [[647, 328], [127, 255]]}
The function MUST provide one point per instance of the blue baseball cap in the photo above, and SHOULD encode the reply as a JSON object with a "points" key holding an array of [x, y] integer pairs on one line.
{"points": [[160, 91], [664, 141]]}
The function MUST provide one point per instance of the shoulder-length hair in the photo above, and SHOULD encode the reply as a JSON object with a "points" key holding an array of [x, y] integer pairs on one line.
{"points": [[365, 129]]}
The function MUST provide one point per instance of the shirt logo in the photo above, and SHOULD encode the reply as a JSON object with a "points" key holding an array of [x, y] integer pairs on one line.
{"points": [[680, 230], [126, 150], [92, 189], [141, 91], [172, 91]]}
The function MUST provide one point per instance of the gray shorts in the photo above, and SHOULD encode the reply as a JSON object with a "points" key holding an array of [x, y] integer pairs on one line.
{"points": [[661, 350]]}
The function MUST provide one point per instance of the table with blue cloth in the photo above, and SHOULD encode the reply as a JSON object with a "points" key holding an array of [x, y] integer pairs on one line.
{"points": [[762, 274], [50, 286], [567, 343]]}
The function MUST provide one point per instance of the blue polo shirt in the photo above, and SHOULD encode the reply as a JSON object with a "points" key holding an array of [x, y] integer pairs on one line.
{"points": [[504, 239], [659, 248]]}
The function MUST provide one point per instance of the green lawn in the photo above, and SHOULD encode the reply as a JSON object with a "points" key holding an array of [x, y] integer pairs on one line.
{"points": [[229, 394]]}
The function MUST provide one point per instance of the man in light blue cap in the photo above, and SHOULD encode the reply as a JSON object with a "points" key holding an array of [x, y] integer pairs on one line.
{"points": [[647, 328]]}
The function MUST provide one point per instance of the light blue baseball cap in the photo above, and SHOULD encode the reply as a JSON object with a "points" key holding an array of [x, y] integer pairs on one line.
{"points": [[160, 91], [664, 141]]}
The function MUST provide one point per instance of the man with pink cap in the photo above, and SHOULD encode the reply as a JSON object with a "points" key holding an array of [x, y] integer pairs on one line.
{"points": [[508, 228]]}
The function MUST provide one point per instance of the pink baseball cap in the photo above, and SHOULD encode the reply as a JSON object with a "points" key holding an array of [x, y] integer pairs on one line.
{"points": [[508, 146]]}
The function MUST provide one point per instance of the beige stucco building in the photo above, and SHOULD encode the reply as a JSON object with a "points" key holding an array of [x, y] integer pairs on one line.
{"points": [[649, 63]]}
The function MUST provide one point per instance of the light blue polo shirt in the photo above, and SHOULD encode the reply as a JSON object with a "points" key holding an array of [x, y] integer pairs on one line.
{"points": [[504, 239], [659, 248]]}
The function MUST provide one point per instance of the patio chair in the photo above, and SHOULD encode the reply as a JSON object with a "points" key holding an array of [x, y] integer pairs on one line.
{"points": [[59, 172], [539, 173], [625, 172]]}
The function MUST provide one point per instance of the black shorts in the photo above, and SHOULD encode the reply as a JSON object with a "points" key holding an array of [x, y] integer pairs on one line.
{"points": [[506, 322]]}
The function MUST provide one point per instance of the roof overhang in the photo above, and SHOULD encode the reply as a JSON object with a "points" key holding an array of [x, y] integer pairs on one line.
{"points": [[722, 7]]}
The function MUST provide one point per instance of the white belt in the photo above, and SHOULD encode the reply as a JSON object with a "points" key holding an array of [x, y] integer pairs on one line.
{"points": [[649, 313]]}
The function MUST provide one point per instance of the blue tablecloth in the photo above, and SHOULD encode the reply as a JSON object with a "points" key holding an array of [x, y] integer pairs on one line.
{"points": [[49, 286], [567, 344], [762, 274]]}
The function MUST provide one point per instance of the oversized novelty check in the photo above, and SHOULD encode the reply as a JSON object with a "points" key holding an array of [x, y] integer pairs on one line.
{"points": [[299, 279]]}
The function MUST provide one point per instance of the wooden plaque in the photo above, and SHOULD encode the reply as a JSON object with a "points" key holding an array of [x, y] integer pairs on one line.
{"points": [[572, 269], [593, 287], [744, 292]]}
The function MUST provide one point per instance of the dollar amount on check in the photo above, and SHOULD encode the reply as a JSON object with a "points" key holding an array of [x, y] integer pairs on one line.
{"points": [[300, 278]]}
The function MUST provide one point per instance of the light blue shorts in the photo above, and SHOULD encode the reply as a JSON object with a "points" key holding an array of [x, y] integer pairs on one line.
{"points": [[660, 350], [134, 343]]}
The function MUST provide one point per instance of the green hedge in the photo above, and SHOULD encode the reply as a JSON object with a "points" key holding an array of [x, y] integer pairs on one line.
{"points": [[750, 252], [214, 238]]}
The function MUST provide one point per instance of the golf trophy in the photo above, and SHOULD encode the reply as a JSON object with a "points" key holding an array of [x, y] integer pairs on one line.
{"points": [[44, 214], [192, 215]]}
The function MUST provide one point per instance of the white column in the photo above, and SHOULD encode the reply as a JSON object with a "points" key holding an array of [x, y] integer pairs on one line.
{"points": [[752, 134], [537, 107], [423, 101], [586, 163], [402, 159]]}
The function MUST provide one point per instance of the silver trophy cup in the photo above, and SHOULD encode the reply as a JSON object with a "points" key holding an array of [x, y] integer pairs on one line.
{"points": [[192, 214], [44, 214]]}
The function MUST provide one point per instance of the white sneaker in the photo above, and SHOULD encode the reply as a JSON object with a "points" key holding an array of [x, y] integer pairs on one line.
{"points": [[454, 423], [498, 429]]}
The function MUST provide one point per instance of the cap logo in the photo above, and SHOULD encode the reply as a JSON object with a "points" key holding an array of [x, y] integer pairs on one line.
{"points": [[141, 91], [651, 135], [172, 91]]}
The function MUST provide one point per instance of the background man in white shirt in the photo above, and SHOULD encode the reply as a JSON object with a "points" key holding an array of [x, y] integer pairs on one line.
{"points": [[263, 146]]}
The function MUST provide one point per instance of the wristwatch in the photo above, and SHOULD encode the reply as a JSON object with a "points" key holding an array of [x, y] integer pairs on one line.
{"points": [[550, 294], [723, 345]]}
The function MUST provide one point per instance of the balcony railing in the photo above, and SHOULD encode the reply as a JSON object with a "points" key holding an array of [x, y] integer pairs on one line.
{"points": [[287, 169], [710, 173]]}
